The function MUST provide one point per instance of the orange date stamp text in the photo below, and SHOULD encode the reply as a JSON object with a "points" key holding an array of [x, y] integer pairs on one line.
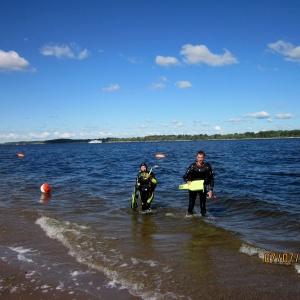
{"points": [[281, 258]]}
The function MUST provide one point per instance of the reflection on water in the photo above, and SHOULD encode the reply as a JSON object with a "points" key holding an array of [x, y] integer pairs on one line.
{"points": [[143, 228], [45, 197]]}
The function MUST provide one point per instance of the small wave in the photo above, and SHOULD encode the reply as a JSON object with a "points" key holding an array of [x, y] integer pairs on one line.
{"points": [[21, 253], [122, 272], [267, 256], [251, 250]]}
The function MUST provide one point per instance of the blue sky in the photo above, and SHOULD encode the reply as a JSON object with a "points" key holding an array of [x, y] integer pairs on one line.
{"points": [[128, 68]]}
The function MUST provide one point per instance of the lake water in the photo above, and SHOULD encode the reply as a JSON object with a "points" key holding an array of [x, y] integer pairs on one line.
{"points": [[84, 236]]}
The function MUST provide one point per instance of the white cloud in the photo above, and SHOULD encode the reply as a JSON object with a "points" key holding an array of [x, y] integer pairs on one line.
{"points": [[9, 136], [11, 61], [217, 128], [83, 54], [67, 135], [201, 54], [288, 50], [166, 61], [259, 115], [111, 88], [39, 136], [177, 124], [163, 125], [232, 120], [132, 59], [183, 84], [157, 85], [160, 84], [64, 51], [284, 116]]}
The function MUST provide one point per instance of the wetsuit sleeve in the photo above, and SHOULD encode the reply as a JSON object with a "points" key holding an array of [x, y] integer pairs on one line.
{"points": [[152, 178], [187, 174], [137, 182], [210, 176]]}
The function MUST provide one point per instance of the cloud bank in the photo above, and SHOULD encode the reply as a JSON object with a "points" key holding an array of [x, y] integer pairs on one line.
{"points": [[197, 55]]}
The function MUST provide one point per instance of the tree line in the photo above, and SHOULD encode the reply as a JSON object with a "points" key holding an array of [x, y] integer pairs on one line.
{"points": [[180, 137], [197, 137]]}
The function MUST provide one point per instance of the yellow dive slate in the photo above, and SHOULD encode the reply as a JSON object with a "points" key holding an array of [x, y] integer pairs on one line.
{"points": [[196, 185]]}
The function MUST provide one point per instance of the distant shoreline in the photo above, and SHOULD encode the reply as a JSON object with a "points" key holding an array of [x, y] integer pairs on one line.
{"points": [[279, 134]]}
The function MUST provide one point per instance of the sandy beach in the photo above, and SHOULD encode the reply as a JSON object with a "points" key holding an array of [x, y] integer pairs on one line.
{"points": [[232, 277], [16, 284]]}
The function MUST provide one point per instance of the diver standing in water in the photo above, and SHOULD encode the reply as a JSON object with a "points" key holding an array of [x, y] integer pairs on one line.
{"points": [[145, 184], [200, 170]]}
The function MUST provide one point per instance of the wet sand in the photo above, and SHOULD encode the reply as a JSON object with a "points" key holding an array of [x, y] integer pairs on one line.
{"points": [[230, 277], [238, 276], [219, 272], [16, 284]]}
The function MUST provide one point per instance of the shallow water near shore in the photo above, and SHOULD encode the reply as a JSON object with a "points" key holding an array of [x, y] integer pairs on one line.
{"points": [[84, 238]]}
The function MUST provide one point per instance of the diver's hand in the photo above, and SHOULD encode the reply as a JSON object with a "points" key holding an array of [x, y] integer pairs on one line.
{"points": [[209, 194]]}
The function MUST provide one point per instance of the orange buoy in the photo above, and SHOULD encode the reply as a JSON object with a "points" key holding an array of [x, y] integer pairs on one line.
{"points": [[159, 156], [20, 155], [45, 188]]}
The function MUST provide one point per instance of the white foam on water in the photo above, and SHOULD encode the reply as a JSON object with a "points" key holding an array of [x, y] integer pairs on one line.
{"points": [[151, 263], [148, 211], [60, 286], [124, 265], [169, 214], [21, 253], [250, 250], [14, 289], [112, 284], [76, 273], [82, 244], [134, 261], [29, 274], [267, 256], [209, 217], [194, 215], [110, 238], [167, 270]]}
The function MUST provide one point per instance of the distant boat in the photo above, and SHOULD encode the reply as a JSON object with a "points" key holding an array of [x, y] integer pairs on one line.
{"points": [[95, 142]]}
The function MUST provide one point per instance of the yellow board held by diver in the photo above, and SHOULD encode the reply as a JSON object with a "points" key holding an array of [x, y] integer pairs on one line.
{"points": [[196, 185]]}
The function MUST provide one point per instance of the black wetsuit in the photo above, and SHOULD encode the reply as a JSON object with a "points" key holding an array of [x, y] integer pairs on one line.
{"points": [[146, 186], [205, 173]]}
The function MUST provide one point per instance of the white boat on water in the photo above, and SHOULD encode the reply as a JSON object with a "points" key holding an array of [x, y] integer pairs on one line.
{"points": [[95, 142]]}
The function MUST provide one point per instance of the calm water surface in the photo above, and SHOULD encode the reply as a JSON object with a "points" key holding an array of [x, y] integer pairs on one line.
{"points": [[87, 224]]}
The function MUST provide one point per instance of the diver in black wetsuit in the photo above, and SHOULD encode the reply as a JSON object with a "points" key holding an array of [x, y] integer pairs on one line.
{"points": [[201, 169], [145, 184]]}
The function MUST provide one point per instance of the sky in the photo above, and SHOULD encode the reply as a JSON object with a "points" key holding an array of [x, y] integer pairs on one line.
{"points": [[92, 69]]}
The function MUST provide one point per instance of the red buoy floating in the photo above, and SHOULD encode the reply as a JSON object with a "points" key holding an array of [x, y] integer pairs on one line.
{"points": [[159, 156], [45, 188], [20, 155]]}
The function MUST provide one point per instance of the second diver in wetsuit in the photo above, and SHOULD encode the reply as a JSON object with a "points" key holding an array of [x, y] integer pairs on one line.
{"points": [[145, 184]]}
